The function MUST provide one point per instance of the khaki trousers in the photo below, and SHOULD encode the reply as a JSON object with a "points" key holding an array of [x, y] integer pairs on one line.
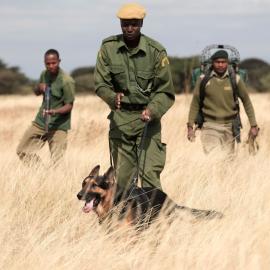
{"points": [[217, 136], [35, 138]]}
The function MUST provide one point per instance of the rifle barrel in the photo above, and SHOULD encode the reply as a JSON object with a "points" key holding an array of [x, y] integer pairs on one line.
{"points": [[47, 107]]}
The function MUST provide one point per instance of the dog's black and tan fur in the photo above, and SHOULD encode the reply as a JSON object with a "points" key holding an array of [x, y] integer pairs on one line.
{"points": [[136, 206]]}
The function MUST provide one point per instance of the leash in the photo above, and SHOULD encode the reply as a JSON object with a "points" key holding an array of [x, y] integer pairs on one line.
{"points": [[110, 148], [140, 148], [134, 182]]}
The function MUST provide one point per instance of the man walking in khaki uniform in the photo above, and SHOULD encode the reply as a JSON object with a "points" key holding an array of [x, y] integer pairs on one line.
{"points": [[219, 107], [61, 103], [133, 77]]}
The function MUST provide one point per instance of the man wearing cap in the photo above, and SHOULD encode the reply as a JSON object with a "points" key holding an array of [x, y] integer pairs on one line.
{"points": [[219, 107], [133, 77]]}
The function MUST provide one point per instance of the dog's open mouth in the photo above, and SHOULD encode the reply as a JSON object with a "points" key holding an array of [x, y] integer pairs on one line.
{"points": [[91, 205]]}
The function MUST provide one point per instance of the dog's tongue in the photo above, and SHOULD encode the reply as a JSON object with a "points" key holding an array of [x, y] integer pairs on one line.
{"points": [[88, 206]]}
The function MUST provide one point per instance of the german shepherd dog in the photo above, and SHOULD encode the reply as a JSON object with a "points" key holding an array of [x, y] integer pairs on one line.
{"points": [[135, 206]]}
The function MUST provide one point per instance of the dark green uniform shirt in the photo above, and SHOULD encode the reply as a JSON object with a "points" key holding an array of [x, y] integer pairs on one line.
{"points": [[62, 92], [219, 105], [142, 74]]}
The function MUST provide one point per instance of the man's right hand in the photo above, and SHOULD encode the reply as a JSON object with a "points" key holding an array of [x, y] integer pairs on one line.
{"points": [[117, 100], [191, 134], [41, 88]]}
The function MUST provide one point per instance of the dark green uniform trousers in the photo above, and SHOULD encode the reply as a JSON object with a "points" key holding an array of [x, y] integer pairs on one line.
{"points": [[125, 153]]}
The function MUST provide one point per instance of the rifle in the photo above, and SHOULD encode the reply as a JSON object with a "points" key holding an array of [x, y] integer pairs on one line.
{"points": [[236, 124], [47, 97]]}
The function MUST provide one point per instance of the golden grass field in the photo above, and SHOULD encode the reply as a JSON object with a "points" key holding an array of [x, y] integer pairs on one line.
{"points": [[42, 225]]}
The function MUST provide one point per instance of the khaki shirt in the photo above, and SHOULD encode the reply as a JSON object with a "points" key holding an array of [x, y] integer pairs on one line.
{"points": [[142, 74], [62, 92]]}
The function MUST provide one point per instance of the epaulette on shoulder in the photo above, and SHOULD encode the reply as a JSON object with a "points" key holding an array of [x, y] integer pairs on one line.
{"points": [[108, 39], [154, 44], [238, 77], [67, 77]]}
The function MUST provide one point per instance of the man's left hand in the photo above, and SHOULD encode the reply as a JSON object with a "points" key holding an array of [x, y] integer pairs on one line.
{"points": [[146, 115], [253, 132], [48, 112]]}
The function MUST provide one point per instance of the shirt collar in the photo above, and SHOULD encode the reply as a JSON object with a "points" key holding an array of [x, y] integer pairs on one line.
{"points": [[141, 47], [214, 74], [49, 78]]}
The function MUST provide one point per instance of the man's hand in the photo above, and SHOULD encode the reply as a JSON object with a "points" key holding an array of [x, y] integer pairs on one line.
{"points": [[40, 89], [117, 100], [191, 134], [48, 112], [146, 115], [253, 132]]}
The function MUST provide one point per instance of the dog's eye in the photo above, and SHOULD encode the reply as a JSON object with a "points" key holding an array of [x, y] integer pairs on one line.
{"points": [[94, 185], [104, 185]]}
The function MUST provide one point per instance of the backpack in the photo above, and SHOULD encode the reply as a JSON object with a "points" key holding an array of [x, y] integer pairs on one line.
{"points": [[206, 63], [204, 72]]}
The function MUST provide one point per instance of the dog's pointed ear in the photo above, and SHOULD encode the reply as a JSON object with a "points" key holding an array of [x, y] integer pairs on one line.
{"points": [[109, 175], [95, 171]]}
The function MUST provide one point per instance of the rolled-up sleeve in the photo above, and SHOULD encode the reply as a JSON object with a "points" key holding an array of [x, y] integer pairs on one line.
{"points": [[69, 91]]}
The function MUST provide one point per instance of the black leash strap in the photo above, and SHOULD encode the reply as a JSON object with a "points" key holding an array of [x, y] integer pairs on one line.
{"points": [[110, 151], [136, 176], [232, 76], [110, 147], [204, 81]]}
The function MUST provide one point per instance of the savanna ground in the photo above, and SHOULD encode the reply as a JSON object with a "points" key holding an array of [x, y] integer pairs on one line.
{"points": [[42, 225]]}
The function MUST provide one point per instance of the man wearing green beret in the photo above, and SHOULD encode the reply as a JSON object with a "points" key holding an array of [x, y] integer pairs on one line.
{"points": [[133, 77], [219, 107]]}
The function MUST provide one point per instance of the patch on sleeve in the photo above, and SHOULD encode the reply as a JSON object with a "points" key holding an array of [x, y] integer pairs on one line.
{"points": [[237, 78], [99, 54], [165, 61], [227, 88]]}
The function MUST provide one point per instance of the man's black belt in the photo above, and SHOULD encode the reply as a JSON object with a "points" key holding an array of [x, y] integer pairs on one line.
{"points": [[133, 107]]}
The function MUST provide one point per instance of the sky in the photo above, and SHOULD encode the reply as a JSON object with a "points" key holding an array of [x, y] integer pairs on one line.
{"points": [[77, 27]]}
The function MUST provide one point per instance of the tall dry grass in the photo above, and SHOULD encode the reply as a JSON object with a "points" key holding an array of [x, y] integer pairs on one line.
{"points": [[42, 225]]}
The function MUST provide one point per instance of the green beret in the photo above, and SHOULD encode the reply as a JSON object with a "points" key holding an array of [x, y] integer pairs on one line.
{"points": [[220, 54]]}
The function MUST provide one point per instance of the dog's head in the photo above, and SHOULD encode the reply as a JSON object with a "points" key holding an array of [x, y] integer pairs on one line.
{"points": [[97, 191]]}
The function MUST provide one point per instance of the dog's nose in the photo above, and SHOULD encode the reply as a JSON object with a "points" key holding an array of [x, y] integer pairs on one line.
{"points": [[79, 196]]}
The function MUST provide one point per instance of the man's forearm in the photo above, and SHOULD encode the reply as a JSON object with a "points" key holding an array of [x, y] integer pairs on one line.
{"points": [[107, 95], [193, 112], [63, 110], [160, 104]]}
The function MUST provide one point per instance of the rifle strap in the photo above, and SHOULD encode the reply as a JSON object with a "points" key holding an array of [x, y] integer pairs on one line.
{"points": [[203, 84], [232, 76]]}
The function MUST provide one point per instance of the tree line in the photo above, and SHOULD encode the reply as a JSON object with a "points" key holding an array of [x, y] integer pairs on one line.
{"points": [[13, 81]]}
